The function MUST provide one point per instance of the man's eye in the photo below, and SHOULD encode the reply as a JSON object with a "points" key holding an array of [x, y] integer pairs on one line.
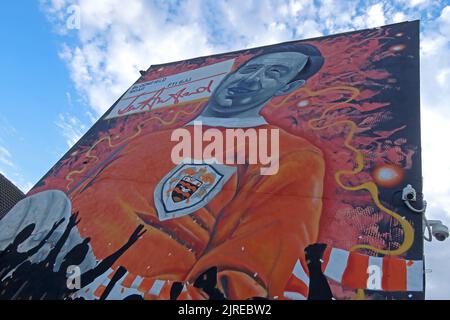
{"points": [[277, 71], [274, 73], [249, 69]]}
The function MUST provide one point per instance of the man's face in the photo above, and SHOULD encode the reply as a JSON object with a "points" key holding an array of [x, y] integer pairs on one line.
{"points": [[256, 81]]}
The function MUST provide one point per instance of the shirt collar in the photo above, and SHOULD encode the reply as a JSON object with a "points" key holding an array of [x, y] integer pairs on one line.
{"points": [[229, 122]]}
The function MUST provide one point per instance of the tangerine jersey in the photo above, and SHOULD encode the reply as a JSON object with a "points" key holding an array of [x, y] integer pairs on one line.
{"points": [[252, 227]]}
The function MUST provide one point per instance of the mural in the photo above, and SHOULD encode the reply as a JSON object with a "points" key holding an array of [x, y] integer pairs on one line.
{"points": [[268, 173]]}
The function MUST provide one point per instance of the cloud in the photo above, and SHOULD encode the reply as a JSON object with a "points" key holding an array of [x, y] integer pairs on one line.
{"points": [[10, 170], [415, 3], [435, 121], [5, 157], [118, 38], [8, 167], [71, 127], [435, 69], [436, 173], [375, 16]]}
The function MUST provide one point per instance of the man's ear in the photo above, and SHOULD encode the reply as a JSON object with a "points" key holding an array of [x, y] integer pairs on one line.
{"points": [[292, 86]]}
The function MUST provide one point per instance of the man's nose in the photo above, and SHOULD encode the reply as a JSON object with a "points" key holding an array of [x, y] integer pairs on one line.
{"points": [[253, 80]]}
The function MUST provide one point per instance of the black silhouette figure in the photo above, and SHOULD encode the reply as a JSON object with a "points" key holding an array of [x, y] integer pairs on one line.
{"points": [[258, 298], [40, 281], [29, 279], [105, 264], [51, 258], [115, 278], [20, 238], [319, 289], [10, 258], [134, 297], [207, 281], [76, 257], [175, 290], [121, 271]]}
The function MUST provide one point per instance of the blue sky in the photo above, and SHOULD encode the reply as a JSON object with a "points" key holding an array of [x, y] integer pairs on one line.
{"points": [[35, 86], [56, 81]]}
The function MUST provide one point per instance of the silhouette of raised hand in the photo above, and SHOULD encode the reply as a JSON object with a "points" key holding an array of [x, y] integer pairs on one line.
{"points": [[34, 250], [57, 224], [73, 220], [319, 289], [51, 258], [106, 263], [115, 278], [136, 234], [314, 252], [207, 281], [175, 290]]}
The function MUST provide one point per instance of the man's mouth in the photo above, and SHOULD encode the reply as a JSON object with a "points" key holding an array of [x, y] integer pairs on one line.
{"points": [[238, 91]]}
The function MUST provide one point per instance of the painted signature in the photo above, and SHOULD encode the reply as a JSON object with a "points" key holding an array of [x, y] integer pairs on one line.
{"points": [[158, 97]]}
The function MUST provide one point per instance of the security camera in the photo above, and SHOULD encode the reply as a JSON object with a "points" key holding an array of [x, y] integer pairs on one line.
{"points": [[409, 194], [438, 230]]}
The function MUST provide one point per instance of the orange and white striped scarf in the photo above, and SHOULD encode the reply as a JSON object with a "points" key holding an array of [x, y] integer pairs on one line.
{"points": [[347, 268], [351, 269]]}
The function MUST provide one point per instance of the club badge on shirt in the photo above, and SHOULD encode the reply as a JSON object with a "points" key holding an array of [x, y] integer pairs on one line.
{"points": [[189, 187]]}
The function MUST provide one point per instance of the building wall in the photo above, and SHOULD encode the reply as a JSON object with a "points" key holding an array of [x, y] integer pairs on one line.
{"points": [[342, 113], [9, 195]]}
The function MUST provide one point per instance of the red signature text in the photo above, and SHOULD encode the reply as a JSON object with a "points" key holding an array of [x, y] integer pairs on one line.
{"points": [[161, 97]]}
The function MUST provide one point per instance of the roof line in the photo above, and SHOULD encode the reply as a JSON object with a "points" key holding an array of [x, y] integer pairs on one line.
{"points": [[280, 43], [11, 184]]}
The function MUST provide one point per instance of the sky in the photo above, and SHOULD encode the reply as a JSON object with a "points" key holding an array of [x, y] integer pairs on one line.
{"points": [[64, 62]]}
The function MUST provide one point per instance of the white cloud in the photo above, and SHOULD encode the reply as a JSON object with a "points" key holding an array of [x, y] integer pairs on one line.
{"points": [[436, 173], [309, 29], [7, 130], [444, 20], [437, 257], [5, 157], [435, 94], [8, 167], [118, 38], [399, 17], [10, 170], [375, 16], [415, 3], [436, 166], [71, 127], [435, 65]]}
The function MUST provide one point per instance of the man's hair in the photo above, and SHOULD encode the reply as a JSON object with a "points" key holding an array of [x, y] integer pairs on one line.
{"points": [[315, 58]]}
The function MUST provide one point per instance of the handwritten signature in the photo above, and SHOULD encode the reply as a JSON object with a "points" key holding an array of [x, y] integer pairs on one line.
{"points": [[157, 97]]}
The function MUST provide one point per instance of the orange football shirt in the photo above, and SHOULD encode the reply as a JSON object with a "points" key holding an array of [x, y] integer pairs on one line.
{"points": [[253, 229]]}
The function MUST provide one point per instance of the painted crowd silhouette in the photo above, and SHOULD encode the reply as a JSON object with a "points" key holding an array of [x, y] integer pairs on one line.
{"points": [[22, 279]]}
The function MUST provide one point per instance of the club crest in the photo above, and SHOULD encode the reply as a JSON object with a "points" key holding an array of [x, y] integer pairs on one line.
{"points": [[185, 188], [189, 187]]}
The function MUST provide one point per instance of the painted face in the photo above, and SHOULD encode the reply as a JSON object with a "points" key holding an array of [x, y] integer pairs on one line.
{"points": [[257, 81]]}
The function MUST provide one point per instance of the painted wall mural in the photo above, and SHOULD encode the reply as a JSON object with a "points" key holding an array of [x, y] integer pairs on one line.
{"points": [[268, 173]]}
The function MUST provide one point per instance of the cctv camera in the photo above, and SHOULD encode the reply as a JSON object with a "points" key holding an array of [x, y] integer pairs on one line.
{"points": [[439, 230], [409, 193]]}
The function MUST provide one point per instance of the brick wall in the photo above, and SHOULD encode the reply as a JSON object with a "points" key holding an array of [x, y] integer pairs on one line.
{"points": [[9, 195]]}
